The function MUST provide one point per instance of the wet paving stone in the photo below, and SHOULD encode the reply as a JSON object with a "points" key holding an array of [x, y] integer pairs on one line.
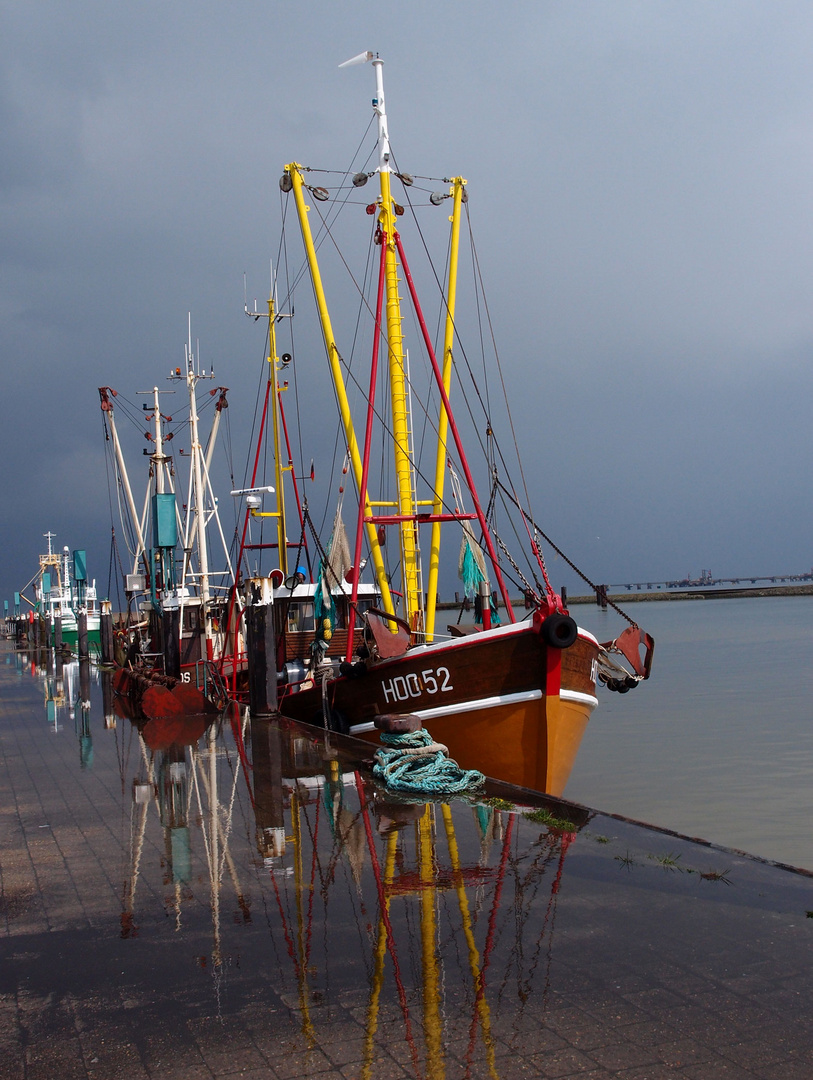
{"points": [[205, 909]]}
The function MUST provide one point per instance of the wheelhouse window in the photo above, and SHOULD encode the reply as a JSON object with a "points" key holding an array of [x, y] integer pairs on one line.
{"points": [[300, 616]]}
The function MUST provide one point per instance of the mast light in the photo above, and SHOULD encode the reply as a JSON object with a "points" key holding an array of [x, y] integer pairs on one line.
{"points": [[252, 491]]}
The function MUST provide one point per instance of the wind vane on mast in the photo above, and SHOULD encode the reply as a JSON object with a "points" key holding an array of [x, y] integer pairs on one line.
{"points": [[362, 58], [378, 105]]}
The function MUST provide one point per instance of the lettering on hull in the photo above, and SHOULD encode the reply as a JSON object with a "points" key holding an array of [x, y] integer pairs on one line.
{"points": [[414, 685]]}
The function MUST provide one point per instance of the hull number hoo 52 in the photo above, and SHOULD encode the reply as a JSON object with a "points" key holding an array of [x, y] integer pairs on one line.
{"points": [[404, 687]]}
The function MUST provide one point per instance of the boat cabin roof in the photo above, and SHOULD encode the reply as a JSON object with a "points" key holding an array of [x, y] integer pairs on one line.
{"points": [[307, 591]]}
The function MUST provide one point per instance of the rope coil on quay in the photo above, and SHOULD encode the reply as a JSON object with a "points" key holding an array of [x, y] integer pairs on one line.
{"points": [[412, 762]]}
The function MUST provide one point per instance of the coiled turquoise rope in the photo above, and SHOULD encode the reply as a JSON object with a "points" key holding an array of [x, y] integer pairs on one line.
{"points": [[414, 762]]}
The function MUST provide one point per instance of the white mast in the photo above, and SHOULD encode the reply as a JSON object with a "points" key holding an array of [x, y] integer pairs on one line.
{"points": [[380, 109], [159, 445], [107, 407], [199, 494]]}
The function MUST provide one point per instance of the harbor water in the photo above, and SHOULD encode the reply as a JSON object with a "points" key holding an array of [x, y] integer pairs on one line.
{"points": [[719, 743]]}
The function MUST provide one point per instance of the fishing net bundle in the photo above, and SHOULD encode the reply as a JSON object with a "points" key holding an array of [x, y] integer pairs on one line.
{"points": [[471, 569]]}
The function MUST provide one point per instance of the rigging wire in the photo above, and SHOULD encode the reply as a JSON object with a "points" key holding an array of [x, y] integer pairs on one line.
{"points": [[419, 473], [491, 446]]}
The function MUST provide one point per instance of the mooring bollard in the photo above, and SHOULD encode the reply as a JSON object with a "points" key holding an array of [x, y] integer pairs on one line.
{"points": [[261, 647]]}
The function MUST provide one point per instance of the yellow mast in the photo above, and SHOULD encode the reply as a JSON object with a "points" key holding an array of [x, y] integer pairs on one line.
{"points": [[404, 472], [443, 424], [273, 360], [279, 468], [294, 172]]}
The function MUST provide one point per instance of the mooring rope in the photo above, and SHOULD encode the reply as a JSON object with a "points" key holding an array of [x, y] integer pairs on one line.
{"points": [[414, 762]]}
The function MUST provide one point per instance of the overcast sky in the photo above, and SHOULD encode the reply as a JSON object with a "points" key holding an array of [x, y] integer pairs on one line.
{"points": [[640, 174]]}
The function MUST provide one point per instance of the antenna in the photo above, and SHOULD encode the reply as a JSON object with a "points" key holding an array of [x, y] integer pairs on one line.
{"points": [[256, 314], [188, 346]]}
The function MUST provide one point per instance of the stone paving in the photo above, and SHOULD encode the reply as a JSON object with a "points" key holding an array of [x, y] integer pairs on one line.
{"points": [[608, 951]]}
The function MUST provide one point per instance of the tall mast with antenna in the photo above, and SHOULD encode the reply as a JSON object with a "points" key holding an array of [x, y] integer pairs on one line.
{"points": [[199, 495], [401, 420]]}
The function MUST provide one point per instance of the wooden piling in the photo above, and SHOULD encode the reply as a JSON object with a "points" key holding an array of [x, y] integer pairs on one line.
{"points": [[261, 647], [171, 634], [82, 634], [106, 632]]}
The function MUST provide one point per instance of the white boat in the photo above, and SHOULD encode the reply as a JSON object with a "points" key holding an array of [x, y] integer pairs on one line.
{"points": [[62, 590]]}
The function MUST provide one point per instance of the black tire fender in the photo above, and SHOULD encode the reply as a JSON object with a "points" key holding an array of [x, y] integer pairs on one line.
{"points": [[559, 631]]}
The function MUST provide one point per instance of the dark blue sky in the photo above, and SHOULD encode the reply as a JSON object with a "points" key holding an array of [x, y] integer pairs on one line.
{"points": [[640, 178]]}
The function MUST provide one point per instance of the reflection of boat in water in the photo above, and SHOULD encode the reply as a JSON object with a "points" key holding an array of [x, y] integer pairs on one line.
{"points": [[66, 687], [455, 903], [177, 777], [433, 923], [511, 698]]}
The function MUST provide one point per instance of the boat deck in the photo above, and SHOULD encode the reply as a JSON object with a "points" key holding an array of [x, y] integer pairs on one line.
{"points": [[149, 929]]}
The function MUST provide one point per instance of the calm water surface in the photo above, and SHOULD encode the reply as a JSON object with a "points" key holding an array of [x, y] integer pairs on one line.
{"points": [[719, 743]]}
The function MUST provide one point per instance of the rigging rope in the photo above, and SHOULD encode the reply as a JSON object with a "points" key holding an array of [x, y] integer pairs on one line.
{"points": [[561, 553]]}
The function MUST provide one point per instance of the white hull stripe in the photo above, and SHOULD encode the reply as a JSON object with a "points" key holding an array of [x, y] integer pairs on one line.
{"points": [[484, 703], [579, 698]]}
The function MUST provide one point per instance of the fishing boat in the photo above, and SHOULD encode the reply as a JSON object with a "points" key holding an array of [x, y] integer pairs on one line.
{"points": [[511, 692], [172, 634], [61, 591]]}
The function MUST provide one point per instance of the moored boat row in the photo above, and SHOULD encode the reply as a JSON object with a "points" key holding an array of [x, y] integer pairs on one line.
{"points": [[336, 628]]}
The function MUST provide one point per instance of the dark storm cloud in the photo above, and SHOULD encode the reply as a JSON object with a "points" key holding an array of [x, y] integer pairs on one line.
{"points": [[639, 177]]}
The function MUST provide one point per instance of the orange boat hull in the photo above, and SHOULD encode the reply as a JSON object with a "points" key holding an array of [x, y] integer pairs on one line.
{"points": [[504, 703]]}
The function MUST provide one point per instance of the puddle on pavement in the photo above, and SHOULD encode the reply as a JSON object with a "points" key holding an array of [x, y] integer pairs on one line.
{"points": [[245, 885]]}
